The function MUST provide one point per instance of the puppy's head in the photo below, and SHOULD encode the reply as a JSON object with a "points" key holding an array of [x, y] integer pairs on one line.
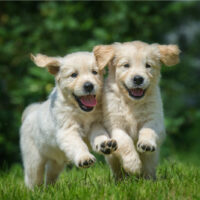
{"points": [[77, 76], [135, 66]]}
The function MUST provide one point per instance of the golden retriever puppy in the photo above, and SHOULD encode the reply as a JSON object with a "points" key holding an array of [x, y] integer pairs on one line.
{"points": [[63, 127], [132, 105]]}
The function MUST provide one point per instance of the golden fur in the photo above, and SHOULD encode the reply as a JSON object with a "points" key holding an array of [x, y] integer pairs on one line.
{"points": [[136, 124]]}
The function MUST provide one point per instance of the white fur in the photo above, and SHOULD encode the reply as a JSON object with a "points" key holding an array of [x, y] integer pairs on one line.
{"points": [[58, 131]]}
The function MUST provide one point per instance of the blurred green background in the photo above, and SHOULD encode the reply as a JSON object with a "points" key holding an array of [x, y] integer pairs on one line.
{"points": [[58, 28]]}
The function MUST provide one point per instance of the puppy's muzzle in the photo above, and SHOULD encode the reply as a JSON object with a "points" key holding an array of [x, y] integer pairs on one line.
{"points": [[136, 91], [88, 101], [138, 80], [88, 87]]}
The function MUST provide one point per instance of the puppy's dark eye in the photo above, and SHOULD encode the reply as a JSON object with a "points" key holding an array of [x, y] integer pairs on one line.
{"points": [[127, 65], [74, 75], [94, 72], [148, 66]]}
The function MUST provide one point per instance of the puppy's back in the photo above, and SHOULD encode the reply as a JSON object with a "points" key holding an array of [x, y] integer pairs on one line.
{"points": [[31, 108]]}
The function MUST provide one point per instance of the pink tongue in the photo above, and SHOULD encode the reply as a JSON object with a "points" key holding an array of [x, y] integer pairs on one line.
{"points": [[137, 92], [89, 100]]}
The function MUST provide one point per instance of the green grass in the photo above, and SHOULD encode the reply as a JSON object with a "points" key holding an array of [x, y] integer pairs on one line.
{"points": [[175, 181]]}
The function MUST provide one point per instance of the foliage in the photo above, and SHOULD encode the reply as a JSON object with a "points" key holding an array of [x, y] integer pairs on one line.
{"points": [[58, 28], [175, 181]]}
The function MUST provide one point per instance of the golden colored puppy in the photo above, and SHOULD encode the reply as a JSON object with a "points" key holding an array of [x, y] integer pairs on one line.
{"points": [[132, 105], [60, 129]]}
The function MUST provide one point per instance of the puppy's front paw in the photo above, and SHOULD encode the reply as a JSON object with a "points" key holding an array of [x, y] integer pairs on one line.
{"points": [[132, 164], [145, 146], [86, 161], [108, 146]]}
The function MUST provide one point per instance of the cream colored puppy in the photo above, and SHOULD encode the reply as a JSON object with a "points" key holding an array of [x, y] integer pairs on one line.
{"points": [[61, 128], [132, 104]]}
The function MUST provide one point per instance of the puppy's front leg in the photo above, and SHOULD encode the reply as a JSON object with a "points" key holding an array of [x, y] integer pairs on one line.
{"points": [[71, 143], [100, 141], [126, 152], [150, 138]]}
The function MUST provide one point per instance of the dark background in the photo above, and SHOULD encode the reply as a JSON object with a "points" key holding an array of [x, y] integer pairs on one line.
{"points": [[58, 28]]}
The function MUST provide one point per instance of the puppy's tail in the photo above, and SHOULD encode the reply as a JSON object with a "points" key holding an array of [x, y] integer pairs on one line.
{"points": [[29, 109]]}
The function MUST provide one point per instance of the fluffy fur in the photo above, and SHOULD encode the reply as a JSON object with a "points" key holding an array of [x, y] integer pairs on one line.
{"points": [[59, 130], [135, 122]]}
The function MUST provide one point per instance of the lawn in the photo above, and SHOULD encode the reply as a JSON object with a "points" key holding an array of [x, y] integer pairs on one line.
{"points": [[175, 180]]}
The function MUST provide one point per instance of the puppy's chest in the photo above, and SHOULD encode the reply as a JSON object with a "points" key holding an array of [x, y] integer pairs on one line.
{"points": [[85, 128], [134, 119], [130, 123], [85, 124]]}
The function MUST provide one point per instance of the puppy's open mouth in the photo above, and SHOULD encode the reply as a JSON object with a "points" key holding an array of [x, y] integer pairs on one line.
{"points": [[136, 93], [87, 102]]}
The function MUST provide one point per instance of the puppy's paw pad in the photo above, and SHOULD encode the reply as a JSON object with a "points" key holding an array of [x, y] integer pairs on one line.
{"points": [[145, 147], [86, 162], [108, 146]]}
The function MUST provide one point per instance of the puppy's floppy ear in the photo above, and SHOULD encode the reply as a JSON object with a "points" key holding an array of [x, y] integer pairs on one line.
{"points": [[169, 54], [103, 55], [51, 63]]}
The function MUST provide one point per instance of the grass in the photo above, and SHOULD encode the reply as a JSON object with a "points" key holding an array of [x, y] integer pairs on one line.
{"points": [[175, 180]]}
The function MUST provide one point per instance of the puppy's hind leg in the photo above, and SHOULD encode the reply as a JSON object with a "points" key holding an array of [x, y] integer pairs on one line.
{"points": [[126, 152], [149, 164], [34, 166], [115, 166], [53, 170]]}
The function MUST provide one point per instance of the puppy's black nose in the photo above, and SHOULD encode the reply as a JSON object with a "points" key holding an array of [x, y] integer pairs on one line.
{"points": [[88, 86], [138, 80]]}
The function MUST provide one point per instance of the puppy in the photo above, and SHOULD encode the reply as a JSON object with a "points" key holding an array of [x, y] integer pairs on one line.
{"points": [[63, 127], [132, 104]]}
